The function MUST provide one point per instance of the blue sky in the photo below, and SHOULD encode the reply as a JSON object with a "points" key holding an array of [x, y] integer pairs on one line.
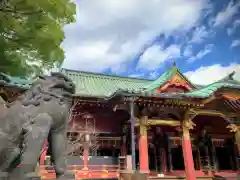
{"points": [[143, 38]]}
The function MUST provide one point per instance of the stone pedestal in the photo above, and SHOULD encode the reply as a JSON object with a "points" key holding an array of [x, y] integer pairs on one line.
{"points": [[129, 163], [19, 176], [5, 176], [130, 175]]}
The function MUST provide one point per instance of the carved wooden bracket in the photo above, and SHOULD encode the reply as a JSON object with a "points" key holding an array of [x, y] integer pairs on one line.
{"points": [[189, 124], [190, 114], [232, 128]]}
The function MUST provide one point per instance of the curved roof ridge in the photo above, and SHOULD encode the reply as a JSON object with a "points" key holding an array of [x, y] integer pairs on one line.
{"points": [[230, 78], [161, 79], [209, 89], [106, 75], [223, 80]]}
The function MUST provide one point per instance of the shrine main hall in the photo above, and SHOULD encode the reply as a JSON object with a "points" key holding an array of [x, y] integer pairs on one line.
{"points": [[167, 127]]}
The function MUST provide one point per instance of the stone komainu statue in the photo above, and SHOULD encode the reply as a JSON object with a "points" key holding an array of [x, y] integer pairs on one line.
{"points": [[40, 114]]}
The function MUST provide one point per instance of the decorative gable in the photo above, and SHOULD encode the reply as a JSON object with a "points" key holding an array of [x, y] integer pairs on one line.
{"points": [[177, 84], [171, 81]]}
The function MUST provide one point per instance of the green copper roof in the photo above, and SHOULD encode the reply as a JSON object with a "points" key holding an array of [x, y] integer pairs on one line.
{"points": [[165, 77], [210, 89], [227, 82], [100, 85], [14, 81], [95, 84]]}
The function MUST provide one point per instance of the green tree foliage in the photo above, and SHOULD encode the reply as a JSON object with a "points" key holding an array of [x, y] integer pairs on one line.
{"points": [[31, 32]]}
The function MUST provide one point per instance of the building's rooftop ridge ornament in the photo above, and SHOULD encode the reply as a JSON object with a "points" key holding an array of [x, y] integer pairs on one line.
{"points": [[231, 75], [229, 78], [174, 64]]}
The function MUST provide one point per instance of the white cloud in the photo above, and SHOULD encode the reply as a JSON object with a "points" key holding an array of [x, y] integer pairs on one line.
{"points": [[153, 75], [108, 34], [235, 43], [155, 55], [236, 23], [207, 49], [188, 51], [200, 34], [211, 21], [232, 30], [137, 75], [209, 74], [226, 15]]}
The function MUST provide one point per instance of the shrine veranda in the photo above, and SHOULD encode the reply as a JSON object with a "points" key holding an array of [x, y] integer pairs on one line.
{"points": [[112, 113]]}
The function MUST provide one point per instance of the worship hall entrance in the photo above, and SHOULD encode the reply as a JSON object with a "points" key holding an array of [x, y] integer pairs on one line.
{"points": [[209, 150]]}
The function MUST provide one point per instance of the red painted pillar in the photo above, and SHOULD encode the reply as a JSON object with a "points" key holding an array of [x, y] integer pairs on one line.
{"points": [[43, 154], [86, 152], [187, 154], [143, 146], [85, 158]]}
